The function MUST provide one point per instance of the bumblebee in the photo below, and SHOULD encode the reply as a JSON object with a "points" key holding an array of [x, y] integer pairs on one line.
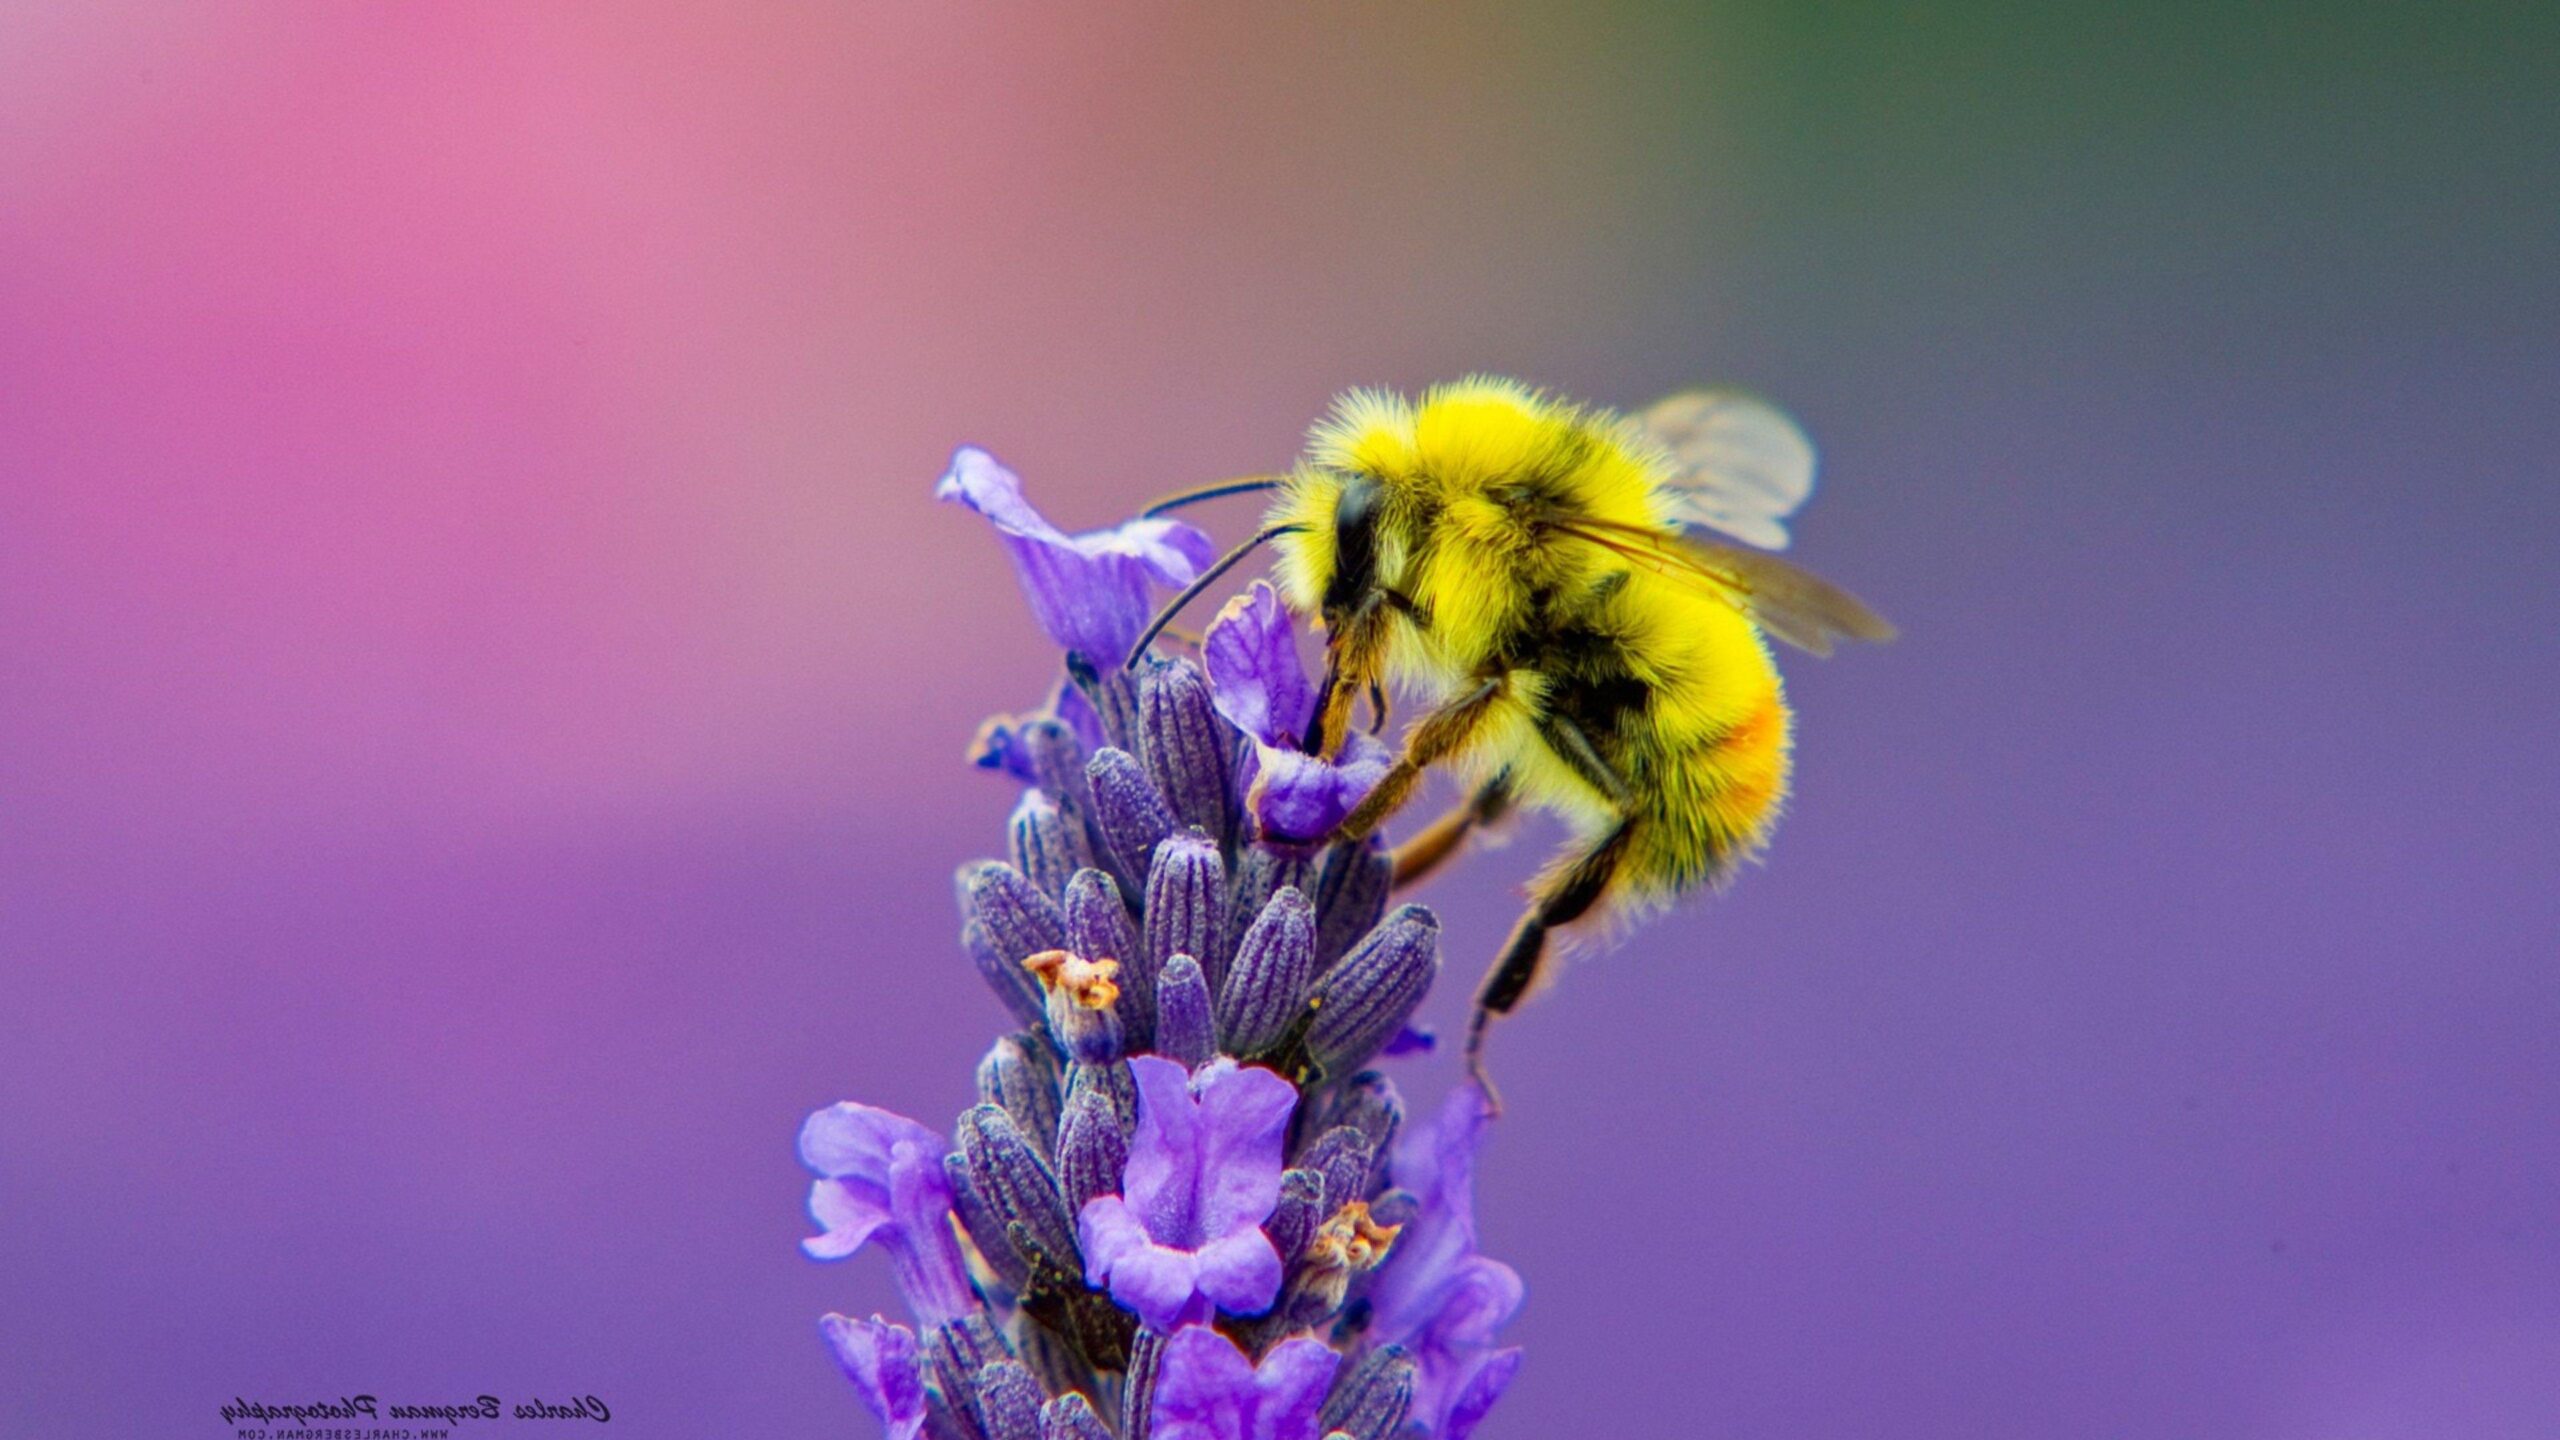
{"points": [[1560, 587]]}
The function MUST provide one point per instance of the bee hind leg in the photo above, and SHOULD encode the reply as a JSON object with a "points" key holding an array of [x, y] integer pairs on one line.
{"points": [[1560, 901], [1416, 858]]}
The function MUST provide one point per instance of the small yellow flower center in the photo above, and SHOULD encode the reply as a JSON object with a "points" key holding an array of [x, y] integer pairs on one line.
{"points": [[1350, 1240], [1093, 984]]}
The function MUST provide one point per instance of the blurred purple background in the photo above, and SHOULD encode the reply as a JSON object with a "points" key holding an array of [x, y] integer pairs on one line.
{"points": [[482, 682]]}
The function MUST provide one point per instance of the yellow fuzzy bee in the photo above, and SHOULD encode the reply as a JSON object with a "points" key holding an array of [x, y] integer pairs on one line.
{"points": [[1549, 580]]}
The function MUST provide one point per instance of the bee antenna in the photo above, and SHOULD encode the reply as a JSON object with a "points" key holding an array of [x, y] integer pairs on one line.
{"points": [[1207, 578], [1245, 485]]}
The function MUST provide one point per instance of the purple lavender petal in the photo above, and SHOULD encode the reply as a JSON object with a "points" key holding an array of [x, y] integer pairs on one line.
{"points": [[881, 1179], [849, 1140], [847, 1216], [1251, 653], [1157, 1282], [1162, 1181], [1240, 1273], [880, 1359], [1293, 1379], [1244, 1124], [1411, 1040], [1299, 799], [1436, 1164], [1488, 1378], [1204, 1389], [1207, 1390], [1089, 592]]}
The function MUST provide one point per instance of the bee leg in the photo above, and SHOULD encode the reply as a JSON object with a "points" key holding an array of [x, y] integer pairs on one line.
{"points": [[1439, 733], [1560, 901], [1418, 857], [1562, 898]]}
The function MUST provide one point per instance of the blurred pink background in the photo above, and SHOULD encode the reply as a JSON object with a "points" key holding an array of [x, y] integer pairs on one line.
{"points": [[482, 682]]}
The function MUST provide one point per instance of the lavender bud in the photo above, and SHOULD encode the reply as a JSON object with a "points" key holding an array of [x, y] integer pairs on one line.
{"points": [[1342, 1155], [1048, 842], [1138, 1389], [1112, 1082], [1019, 992], [1009, 1401], [944, 1420], [1111, 691], [1009, 920], [985, 1228], [1262, 872], [1053, 1360], [955, 1353], [1092, 1151], [1395, 1209], [1098, 928], [1016, 1185], [1024, 1080], [1186, 1031], [1369, 994], [1184, 748], [1187, 903], [1294, 1220], [1370, 1402], [1350, 896], [1056, 757], [1267, 983], [1127, 809], [1368, 1103], [1071, 1417]]}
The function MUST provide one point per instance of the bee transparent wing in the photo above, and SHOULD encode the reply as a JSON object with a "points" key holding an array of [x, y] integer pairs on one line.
{"points": [[1739, 465], [1789, 601]]}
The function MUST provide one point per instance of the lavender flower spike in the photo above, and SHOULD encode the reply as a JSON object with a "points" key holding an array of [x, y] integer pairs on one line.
{"points": [[1089, 592], [1179, 1129], [1208, 1390], [1203, 1174], [881, 1179], [1435, 1295], [1251, 653]]}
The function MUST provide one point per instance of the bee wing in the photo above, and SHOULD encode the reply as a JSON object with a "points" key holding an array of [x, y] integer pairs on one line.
{"points": [[1739, 465], [1788, 601]]}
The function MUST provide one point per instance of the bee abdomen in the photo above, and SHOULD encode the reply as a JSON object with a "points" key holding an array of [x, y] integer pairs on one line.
{"points": [[1705, 806]]}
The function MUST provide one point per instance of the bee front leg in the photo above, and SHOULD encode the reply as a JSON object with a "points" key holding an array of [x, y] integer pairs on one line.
{"points": [[1439, 734]]}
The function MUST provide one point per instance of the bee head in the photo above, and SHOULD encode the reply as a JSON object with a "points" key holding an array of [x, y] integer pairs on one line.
{"points": [[1353, 582]]}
